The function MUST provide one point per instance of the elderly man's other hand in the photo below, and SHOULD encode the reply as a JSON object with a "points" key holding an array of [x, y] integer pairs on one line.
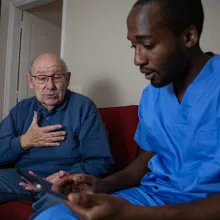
{"points": [[99, 206], [54, 178], [41, 136]]}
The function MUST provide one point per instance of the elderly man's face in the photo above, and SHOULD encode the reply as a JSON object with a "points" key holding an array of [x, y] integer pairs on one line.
{"points": [[49, 81]]}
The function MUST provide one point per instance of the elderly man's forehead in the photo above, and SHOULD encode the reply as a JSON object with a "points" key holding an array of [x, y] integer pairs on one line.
{"points": [[47, 60], [47, 70]]}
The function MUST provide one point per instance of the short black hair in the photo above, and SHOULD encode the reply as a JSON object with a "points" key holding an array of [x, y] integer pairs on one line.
{"points": [[210, 53], [179, 14]]}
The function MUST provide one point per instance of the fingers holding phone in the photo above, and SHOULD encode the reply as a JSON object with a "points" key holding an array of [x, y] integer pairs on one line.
{"points": [[36, 183], [29, 185]]}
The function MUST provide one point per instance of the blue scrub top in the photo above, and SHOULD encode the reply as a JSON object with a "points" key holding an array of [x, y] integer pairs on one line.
{"points": [[185, 137]]}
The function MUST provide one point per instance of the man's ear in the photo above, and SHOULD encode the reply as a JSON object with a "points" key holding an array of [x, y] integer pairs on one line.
{"points": [[29, 80], [68, 75], [190, 37]]}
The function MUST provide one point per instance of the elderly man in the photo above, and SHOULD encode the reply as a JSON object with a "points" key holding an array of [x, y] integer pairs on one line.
{"points": [[53, 134]]}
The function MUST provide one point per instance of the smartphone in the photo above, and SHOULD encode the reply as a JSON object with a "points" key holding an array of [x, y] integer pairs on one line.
{"points": [[40, 183]]}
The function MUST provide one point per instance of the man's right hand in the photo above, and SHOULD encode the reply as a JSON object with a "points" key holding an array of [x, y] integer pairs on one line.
{"points": [[41, 136], [102, 206], [80, 183]]}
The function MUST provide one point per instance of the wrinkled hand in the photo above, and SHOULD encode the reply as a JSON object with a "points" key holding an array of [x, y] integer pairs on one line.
{"points": [[99, 206], [41, 136], [29, 185], [54, 178], [79, 183]]}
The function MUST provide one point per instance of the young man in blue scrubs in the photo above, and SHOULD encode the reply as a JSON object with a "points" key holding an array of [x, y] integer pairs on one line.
{"points": [[55, 133], [177, 176]]}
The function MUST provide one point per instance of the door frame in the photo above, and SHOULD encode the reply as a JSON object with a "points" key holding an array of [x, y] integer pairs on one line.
{"points": [[13, 46]]}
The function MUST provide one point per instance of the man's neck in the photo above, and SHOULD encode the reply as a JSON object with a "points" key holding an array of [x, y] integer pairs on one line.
{"points": [[196, 63], [49, 108]]}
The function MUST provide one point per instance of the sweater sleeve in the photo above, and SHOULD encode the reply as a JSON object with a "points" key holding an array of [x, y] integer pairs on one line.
{"points": [[10, 147], [96, 157]]}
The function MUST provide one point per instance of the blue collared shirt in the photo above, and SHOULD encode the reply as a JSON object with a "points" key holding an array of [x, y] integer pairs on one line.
{"points": [[84, 150]]}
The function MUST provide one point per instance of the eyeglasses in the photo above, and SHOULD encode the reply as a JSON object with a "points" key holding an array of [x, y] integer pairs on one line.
{"points": [[42, 79]]}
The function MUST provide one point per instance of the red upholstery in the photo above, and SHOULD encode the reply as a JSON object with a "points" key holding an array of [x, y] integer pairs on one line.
{"points": [[16, 210], [121, 123]]}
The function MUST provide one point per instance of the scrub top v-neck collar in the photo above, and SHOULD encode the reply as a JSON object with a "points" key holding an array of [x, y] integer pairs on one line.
{"points": [[192, 94]]}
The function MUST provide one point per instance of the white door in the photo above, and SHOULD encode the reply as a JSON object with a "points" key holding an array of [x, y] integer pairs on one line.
{"points": [[38, 36]]}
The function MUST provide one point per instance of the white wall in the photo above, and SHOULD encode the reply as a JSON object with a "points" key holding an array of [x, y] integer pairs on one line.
{"points": [[99, 55], [210, 40]]}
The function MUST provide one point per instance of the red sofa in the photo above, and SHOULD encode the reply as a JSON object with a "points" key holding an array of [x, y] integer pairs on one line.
{"points": [[121, 123]]}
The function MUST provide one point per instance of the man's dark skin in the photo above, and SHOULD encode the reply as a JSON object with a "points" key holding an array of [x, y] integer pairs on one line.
{"points": [[176, 60], [163, 58]]}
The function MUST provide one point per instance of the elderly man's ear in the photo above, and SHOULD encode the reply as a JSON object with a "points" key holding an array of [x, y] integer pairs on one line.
{"points": [[68, 75], [29, 80]]}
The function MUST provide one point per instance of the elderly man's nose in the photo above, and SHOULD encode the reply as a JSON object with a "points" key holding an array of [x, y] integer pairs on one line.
{"points": [[50, 83]]}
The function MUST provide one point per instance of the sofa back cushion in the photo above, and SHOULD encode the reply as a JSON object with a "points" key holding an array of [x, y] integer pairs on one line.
{"points": [[121, 124]]}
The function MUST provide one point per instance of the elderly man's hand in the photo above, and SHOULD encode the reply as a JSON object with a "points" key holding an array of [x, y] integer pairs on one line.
{"points": [[90, 206], [54, 178], [41, 136]]}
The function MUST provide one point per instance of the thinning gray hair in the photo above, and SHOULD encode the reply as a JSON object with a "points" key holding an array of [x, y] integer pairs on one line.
{"points": [[62, 62]]}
